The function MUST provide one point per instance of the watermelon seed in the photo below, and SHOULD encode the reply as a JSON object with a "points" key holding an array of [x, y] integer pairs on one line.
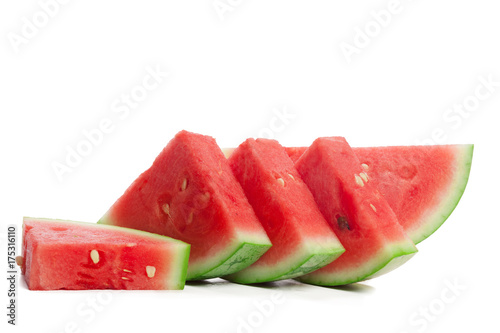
{"points": [[94, 255], [127, 271], [206, 196], [19, 260], [364, 176], [291, 177], [359, 181], [166, 208], [365, 166], [281, 181], [373, 207], [190, 218], [150, 271], [343, 223], [184, 184], [125, 278]]}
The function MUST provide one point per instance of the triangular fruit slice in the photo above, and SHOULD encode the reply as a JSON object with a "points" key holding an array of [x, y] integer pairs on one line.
{"points": [[422, 184], [191, 194], [61, 254], [302, 240], [375, 242]]}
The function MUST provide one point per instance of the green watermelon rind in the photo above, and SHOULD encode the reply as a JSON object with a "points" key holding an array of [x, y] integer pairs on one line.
{"points": [[182, 251], [183, 271], [243, 254], [389, 258], [314, 254], [246, 248], [449, 198]]}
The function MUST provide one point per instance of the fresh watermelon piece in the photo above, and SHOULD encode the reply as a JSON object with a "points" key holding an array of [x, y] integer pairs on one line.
{"points": [[191, 194], [367, 227], [60, 254], [422, 184], [302, 240]]}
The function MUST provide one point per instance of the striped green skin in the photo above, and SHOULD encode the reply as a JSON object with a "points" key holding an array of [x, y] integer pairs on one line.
{"points": [[312, 256], [392, 256], [240, 255]]}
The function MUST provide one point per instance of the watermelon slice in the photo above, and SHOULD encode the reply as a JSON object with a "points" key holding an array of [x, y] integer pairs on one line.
{"points": [[60, 254], [191, 194], [422, 184], [375, 242], [302, 240]]}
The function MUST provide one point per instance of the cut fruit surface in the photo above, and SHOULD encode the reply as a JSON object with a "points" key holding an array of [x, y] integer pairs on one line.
{"points": [[367, 227], [59, 254], [302, 240], [191, 194], [296, 152], [422, 184]]}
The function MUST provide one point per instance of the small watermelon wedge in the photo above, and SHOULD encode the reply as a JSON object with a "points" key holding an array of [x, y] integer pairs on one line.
{"points": [[59, 254], [422, 184], [191, 194], [302, 240], [367, 227]]}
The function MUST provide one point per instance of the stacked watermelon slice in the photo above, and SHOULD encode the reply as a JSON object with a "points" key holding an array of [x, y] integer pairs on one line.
{"points": [[327, 214]]}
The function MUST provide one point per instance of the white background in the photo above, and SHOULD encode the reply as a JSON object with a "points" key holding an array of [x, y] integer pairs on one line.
{"points": [[228, 76]]}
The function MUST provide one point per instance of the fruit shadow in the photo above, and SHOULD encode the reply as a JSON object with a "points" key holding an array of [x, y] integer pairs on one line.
{"points": [[354, 287], [290, 284], [281, 285], [210, 282]]}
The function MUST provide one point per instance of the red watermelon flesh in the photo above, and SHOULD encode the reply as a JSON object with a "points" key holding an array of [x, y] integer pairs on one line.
{"points": [[296, 152], [75, 255], [191, 194], [367, 227], [422, 184], [302, 240]]}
